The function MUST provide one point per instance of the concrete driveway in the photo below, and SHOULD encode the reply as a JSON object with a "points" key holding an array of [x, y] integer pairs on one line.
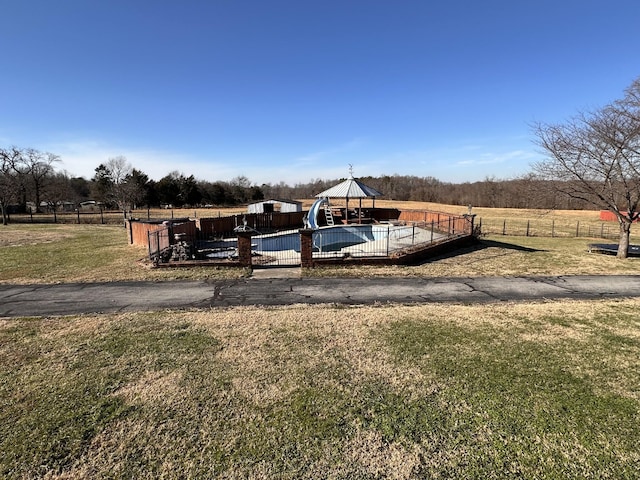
{"points": [[71, 299]]}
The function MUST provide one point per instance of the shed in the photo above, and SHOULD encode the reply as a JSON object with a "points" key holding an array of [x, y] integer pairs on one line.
{"points": [[275, 205]]}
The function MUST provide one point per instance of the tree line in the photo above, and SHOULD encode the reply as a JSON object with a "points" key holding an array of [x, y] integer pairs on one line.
{"points": [[30, 181]]}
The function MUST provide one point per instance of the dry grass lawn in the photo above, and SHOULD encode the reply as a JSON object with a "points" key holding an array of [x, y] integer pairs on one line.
{"points": [[537, 390], [33, 253]]}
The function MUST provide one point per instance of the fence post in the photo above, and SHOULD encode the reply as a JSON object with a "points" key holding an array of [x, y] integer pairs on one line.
{"points": [[101, 216], [578, 229], [130, 232], [55, 217], [306, 247], [504, 227], [602, 230], [244, 249], [78, 214], [432, 226], [527, 229], [148, 213], [388, 235]]}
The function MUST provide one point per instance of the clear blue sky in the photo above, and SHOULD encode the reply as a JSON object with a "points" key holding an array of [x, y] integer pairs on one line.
{"points": [[295, 90]]}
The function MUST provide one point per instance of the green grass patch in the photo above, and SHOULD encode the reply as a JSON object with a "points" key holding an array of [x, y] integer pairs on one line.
{"points": [[534, 409], [500, 391]]}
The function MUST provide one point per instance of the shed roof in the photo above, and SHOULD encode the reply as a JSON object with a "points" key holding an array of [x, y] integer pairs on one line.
{"points": [[277, 200]]}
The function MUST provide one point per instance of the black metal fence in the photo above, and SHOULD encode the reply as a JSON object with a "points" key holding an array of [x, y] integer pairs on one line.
{"points": [[377, 240], [548, 228], [159, 245], [284, 248], [103, 217]]}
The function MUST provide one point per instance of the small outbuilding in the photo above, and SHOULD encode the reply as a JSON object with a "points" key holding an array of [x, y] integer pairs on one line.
{"points": [[275, 205]]}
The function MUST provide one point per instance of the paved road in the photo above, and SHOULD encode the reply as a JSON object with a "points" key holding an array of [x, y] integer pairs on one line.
{"points": [[69, 299]]}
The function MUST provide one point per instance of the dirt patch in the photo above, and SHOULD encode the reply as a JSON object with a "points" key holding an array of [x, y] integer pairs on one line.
{"points": [[383, 459], [22, 237], [157, 387]]}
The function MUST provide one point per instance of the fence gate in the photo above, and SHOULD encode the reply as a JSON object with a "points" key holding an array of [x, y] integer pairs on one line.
{"points": [[159, 244], [277, 250]]}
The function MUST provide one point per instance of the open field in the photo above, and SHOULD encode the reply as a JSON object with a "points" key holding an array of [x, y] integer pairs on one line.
{"points": [[544, 390], [504, 221], [488, 213]]}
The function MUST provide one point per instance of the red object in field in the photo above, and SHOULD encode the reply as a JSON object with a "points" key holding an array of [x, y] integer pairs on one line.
{"points": [[608, 216]]}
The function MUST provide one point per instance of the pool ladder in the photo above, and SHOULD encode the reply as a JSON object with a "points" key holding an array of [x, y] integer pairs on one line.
{"points": [[328, 215]]}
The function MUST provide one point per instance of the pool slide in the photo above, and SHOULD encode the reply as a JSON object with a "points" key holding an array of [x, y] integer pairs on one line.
{"points": [[313, 212]]}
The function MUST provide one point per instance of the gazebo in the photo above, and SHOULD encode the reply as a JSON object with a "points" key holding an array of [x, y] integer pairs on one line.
{"points": [[351, 188]]}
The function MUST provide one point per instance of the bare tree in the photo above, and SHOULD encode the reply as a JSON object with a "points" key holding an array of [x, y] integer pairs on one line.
{"points": [[59, 190], [595, 157], [38, 169], [119, 172], [10, 161]]}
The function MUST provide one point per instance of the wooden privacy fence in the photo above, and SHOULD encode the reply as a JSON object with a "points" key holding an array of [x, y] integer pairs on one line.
{"points": [[139, 230], [548, 228], [218, 227]]}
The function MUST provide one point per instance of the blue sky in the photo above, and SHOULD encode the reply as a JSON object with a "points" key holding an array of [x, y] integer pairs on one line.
{"points": [[297, 90]]}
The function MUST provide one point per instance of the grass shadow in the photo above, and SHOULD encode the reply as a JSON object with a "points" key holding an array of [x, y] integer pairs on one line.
{"points": [[481, 244]]}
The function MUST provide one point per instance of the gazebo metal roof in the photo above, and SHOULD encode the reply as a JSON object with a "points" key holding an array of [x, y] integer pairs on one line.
{"points": [[350, 188]]}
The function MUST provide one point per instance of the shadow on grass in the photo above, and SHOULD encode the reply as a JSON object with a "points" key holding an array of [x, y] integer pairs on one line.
{"points": [[480, 245], [612, 249]]}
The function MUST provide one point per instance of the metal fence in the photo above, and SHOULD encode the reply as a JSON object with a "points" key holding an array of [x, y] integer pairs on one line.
{"points": [[278, 249], [548, 228], [159, 245], [379, 240], [283, 248], [101, 217]]}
